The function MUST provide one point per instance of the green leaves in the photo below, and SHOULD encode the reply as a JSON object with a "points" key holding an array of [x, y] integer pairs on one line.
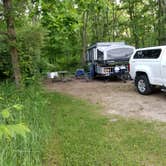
{"points": [[5, 113], [9, 128], [11, 131], [63, 22], [18, 129], [1, 98], [18, 107]]}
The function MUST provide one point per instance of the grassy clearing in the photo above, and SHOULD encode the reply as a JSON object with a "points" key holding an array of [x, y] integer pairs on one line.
{"points": [[83, 137], [66, 131]]}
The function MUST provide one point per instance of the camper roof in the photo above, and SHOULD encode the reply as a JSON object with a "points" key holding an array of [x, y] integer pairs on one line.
{"points": [[105, 44]]}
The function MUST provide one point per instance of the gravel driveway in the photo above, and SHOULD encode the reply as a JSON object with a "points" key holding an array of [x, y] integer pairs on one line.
{"points": [[116, 97]]}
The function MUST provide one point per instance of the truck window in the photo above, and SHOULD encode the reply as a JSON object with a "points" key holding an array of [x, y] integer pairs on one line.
{"points": [[147, 54]]}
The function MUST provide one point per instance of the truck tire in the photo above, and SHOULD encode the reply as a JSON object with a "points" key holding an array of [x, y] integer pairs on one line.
{"points": [[142, 84]]}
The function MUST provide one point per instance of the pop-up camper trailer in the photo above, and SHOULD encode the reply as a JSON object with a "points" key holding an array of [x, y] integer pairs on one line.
{"points": [[109, 58]]}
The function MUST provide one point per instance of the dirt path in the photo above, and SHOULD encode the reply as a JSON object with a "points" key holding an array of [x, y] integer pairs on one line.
{"points": [[117, 98]]}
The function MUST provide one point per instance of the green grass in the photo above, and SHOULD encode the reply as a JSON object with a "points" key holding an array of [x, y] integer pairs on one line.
{"points": [[36, 115], [70, 132], [82, 136]]}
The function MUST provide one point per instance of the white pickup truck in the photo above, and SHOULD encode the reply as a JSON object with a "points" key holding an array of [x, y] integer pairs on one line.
{"points": [[148, 68]]}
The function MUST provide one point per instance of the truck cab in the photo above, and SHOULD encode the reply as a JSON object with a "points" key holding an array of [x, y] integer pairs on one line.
{"points": [[148, 68]]}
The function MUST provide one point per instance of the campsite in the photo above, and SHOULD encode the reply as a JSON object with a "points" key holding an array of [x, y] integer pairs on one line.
{"points": [[116, 97], [82, 83]]}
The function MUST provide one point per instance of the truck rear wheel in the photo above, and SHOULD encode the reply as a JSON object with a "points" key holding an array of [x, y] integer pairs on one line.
{"points": [[143, 85]]}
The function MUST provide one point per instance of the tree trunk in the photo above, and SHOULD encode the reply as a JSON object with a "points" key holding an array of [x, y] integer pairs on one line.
{"points": [[7, 4], [133, 24], [113, 22], [84, 36], [161, 22]]}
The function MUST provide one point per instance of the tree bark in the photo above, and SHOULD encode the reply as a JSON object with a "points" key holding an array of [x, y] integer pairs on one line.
{"points": [[7, 4], [113, 22], [133, 24], [84, 36], [161, 22]]}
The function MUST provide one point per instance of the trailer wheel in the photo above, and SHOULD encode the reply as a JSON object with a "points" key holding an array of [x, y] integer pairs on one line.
{"points": [[142, 84]]}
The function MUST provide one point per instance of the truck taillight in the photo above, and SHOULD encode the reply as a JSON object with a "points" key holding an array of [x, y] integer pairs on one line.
{"points": [[129, 67]]}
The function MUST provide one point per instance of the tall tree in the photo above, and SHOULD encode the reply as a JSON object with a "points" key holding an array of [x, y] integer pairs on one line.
{"points": [[161, 22], [9, 17], [84, 36]]}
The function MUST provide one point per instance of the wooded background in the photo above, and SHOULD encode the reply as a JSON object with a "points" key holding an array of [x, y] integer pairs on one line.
{"points": [[37, 36]]}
